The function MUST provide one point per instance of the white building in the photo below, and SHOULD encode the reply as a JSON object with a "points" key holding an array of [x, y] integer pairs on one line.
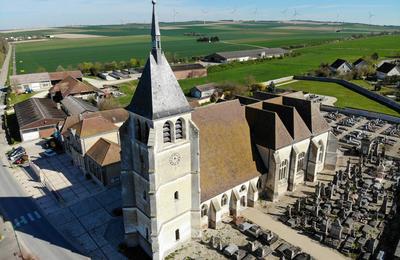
{"points": [[184, 170], [341, 66], [387, 70]]}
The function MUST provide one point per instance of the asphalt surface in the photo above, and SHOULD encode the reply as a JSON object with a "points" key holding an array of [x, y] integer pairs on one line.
{"points": [[4, 68], [35, 234]]}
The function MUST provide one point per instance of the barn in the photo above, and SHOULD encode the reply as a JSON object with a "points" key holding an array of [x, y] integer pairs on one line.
{"points": [[38, 118]]}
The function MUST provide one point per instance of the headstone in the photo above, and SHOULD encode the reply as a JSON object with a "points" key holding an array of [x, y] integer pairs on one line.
{"points": [[326, 227], [336, 230], [317, 190], [346, 195], [298, 205], [384, 206], [289, 211], [323, 190], [317, 210]]}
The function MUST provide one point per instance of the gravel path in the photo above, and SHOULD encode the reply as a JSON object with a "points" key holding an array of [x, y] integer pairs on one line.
{"points": [[4, 70], [305, 243]]}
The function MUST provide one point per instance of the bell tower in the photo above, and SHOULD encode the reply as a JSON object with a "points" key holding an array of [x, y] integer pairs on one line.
{"points": [[160, 160]]}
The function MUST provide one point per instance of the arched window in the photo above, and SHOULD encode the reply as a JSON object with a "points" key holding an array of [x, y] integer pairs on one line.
{"points": [[283, 170], [321, 152], [167, 132], [147, 233], [146, 133], [138, 130], [300, 161], [179, 129], [243, 188], [176, 195], [243, 201], [224, 200], [204, 210], [259, 184]]}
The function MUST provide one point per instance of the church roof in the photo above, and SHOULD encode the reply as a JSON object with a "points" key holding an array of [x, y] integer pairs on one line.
{"points": [[227, 157], [158, 93]]}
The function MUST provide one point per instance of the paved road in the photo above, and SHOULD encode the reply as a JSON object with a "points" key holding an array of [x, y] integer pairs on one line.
{"points": [[34, 232], [4, 69]]}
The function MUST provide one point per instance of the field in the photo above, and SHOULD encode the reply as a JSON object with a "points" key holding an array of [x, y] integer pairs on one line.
{"points": [[126, 41], [346, 97]]}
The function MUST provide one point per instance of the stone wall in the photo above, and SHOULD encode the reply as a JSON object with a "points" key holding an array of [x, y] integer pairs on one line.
{"points": [[360, 90], [359, 112]]}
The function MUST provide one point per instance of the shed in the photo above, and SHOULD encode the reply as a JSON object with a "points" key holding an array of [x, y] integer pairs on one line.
{"points": [[203, 91]]}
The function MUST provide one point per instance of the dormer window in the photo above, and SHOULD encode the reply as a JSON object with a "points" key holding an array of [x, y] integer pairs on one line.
{"points": [[167, 132], [179, 129]]}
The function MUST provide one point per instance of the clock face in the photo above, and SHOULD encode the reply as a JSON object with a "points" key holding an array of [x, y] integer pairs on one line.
{"points": [[175, 159]]}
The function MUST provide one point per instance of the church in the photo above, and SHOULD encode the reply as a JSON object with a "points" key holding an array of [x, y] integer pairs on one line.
{"points": [[184, 169]]}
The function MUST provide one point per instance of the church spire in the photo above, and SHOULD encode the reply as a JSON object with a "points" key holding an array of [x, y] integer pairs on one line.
{"points": [[155, 34]]}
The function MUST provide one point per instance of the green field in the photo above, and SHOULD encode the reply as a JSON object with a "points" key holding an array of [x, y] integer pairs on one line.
{"points": [[346, 97], [123, 42]]}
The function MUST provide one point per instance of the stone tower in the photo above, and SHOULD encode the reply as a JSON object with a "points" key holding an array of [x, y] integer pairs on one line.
{"points": [[159, 160]]}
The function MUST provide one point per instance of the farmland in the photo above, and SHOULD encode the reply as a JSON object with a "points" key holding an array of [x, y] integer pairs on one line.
{"points": [[124, 42]]}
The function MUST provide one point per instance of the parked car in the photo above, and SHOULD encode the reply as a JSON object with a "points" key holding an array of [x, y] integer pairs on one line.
{"points": [[49, 153]]}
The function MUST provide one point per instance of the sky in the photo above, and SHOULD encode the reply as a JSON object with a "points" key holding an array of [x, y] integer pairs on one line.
{"points": [[16, 14]]}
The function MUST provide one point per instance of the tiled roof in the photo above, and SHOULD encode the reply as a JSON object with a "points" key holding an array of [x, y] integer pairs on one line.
{"points": [[93, 126], [252, 53], [116, 116], [35, 112], [227, 158], [77, 106], [72, 86], [338, 63], [206, 87], [60, 75], [182, 67], [105, 152]]}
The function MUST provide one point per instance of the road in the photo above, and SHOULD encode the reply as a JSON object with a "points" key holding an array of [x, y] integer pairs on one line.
{"points": [[4, 69], [35, 234]]}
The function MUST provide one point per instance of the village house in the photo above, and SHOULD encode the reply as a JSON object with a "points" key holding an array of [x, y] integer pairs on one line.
{"points": [[340, 66], [226, 57], [360, 64], [387, 70], [102, 162], [40, 81], [73, 87], [38, 118], [184, 169], [81, 132]]}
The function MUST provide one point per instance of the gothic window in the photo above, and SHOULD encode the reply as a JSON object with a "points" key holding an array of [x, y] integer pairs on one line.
{"points": [[224, 200], [179, 128], [147, 233], [177, 235], [283, 170], [243, 201], [176, 195], [167, 132], [204, 210], [259, 184], [300, 161], [243, 188], [321, 153], [146, 133], [144, 195]]}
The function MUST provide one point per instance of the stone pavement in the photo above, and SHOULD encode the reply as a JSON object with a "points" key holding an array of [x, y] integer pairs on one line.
{"points": [[9, 248]]}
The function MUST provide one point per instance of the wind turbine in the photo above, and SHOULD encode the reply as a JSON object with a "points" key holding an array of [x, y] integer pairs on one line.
{"points": [[284, 12], [370, 16], [255, 14], [175, 13], [295, 13], [205, 12]]}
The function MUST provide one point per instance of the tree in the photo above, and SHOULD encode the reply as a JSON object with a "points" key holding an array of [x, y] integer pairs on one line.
{"points": [[96, 68], [85, 67], [133, 63], [41, 69], [272, 87], [374, 56], [60, 68], [108, 104]]}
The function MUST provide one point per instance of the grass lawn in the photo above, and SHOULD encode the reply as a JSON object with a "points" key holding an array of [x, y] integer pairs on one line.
{"points": [[128, 89], [367, 85], [346, 97], [14, 98]]}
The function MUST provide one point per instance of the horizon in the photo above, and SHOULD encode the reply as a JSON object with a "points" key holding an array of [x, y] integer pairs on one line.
{"points": [[47, 14]]}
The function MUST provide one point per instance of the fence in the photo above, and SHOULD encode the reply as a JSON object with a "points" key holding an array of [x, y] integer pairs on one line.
{"points": [[360, 90]]}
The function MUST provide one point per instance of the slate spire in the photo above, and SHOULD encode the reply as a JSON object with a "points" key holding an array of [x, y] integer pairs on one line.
{"points": [[158, 93], [155, 34]]}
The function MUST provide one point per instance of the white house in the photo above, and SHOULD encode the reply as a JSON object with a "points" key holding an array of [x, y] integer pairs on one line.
{"points": [[340, 66], [387, 70]]}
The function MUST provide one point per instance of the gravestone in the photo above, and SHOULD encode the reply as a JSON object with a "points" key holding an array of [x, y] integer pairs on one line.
{"points": [[336, 230]]}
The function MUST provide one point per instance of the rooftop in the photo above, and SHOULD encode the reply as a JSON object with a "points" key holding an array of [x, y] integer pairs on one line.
{"points": [[105, 152], [43, 77], [386, 67], [252, 53], [93, 126], [71, 86], [36, 112], [77, 106]]}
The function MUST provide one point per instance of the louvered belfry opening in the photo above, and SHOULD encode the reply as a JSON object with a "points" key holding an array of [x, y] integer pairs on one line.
{"points": [[167, 132], [138, 129], [179, 129]]}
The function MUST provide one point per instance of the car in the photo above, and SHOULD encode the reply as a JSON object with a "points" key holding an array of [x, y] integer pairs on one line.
{"points": [[49, 153]]}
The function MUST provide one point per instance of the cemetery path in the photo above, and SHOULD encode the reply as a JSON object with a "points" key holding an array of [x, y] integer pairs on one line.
{"points": [[290, 235]]}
